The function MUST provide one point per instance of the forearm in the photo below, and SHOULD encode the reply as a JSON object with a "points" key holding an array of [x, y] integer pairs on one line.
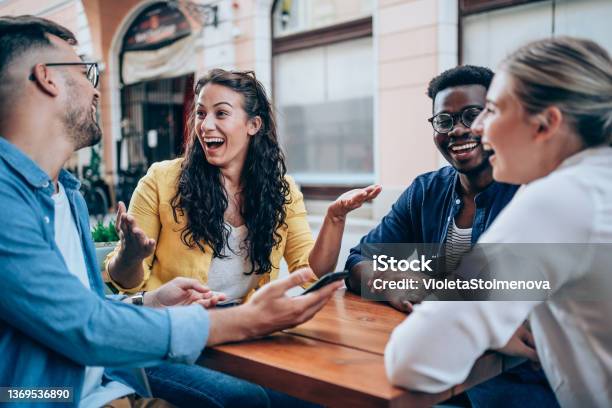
{"points": [[126, 273], [419, 356], [228, 325], [324, 254]]}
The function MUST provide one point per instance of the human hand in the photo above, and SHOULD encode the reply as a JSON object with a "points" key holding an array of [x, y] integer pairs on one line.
{"points": [[182, 291], [400, 299], [352, 200], [134, 244], [269, 310], [521, 344], [399, 302], [276, 311]]}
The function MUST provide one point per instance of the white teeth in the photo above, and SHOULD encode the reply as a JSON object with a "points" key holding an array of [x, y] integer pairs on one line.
{"points": [[462, 147], [213, 140]]}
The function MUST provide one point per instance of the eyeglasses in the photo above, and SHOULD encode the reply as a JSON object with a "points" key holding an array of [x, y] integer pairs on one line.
{"points": [[445, 122], [93, 73]]}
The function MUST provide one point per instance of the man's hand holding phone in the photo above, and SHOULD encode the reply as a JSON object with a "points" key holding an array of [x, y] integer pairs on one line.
{"points": [[269, 310]]}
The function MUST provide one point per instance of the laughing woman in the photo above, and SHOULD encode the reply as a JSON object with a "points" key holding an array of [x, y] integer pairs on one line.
{"points": [[548, 121], [225, 213]]}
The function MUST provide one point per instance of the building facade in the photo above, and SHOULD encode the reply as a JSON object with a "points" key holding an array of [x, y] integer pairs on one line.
{"points": [[348, 78]]}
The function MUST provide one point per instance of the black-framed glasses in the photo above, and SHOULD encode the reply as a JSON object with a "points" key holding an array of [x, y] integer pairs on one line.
{"points": [[93, 72], [445, 122]]}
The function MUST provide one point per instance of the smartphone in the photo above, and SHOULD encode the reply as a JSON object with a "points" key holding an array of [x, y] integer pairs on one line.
{"points": [[229, 303], [326, 280]]}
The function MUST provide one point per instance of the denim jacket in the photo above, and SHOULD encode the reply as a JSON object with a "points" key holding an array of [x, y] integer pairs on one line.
{"points": [[425, 210], [51, 326]]}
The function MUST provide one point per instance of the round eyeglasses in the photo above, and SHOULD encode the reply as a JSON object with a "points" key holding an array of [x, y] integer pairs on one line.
{"points": [[445, 122]]}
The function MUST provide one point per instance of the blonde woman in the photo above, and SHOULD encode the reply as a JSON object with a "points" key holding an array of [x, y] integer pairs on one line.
{"points": [[548, 121]]}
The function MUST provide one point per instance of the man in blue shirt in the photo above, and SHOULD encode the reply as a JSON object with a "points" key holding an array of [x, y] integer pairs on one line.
{"points": [[452, 206], [56, 326]]}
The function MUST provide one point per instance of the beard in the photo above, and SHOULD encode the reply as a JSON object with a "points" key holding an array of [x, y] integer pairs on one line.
{"points": [[480, 167], [81, 127]]}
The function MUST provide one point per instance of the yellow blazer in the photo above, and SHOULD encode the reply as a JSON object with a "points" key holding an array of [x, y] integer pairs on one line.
{"points": [[150, 206]]}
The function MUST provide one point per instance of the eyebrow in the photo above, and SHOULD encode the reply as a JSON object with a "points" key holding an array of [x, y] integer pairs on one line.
{"points": [[217, 104], [465, 107]]}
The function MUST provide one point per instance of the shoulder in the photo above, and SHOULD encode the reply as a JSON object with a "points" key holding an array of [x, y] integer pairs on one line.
{"points": [[294, 189], [20, 205], [164, 174], [433, 182], [555, 208], [443, 176], [13, 184], [166, 169], [295, 197]]}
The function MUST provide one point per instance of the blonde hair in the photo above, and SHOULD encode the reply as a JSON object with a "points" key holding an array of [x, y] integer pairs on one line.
{"points": [[572, 74]]}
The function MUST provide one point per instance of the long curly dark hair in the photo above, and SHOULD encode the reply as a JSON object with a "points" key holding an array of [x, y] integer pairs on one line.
{"points": [[265, 192]]}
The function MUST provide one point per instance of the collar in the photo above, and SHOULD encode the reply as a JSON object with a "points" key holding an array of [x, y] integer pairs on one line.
{"points": [[481, 199], [583, 155], [68, 180], [23, 165], [30, 171]]}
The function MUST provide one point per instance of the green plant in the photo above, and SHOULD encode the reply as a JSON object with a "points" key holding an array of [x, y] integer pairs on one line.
{"points": [[102, 233]]}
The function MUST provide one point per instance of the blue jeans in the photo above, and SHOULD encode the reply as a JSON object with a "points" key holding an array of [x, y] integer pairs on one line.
{"points": [[521, 386], [196, 386]]}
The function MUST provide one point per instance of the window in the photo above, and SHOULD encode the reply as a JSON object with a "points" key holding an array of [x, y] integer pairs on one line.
{"points": [[485, 39], [323, 90], [295, 16]]}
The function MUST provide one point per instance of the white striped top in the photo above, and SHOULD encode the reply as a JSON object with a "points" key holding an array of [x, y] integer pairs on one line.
{"points": [[458, 243]]}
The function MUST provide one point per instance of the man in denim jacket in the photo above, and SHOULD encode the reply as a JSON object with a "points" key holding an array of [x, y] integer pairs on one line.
{"points": [[56, 326]]}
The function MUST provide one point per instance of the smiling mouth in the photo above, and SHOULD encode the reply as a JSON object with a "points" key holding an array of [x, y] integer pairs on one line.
{"points": [[463, 148], [213, 142]]}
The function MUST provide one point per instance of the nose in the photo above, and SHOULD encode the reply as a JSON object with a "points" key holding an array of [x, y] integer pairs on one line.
{"points": [[208, 123], [458, 130], [478, 125]]}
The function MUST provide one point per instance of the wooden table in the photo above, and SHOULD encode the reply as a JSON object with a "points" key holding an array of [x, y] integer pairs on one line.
{"points": [[336, 359]]}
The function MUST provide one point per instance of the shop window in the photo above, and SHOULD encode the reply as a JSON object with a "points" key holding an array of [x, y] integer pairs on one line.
{"points": [[485, 25], [323, 92]]}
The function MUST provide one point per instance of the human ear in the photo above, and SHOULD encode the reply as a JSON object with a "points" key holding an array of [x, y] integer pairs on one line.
{"points": [[44, 79], [549, 121], [254, 125]]}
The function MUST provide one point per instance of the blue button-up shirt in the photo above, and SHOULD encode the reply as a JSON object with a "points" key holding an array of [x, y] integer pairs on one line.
{"points": [[51, 326], [425, 211]]}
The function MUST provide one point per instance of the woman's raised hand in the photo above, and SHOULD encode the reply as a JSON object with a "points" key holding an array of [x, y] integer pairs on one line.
{"points": [[351, 200], [135, 245]]}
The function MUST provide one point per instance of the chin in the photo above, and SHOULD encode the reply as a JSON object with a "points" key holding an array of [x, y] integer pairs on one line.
{"points": [[214, 161], [481, 165], [502, 176]]}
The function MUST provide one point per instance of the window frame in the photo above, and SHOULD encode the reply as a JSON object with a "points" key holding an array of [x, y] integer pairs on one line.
{"points": [[345, 31]]}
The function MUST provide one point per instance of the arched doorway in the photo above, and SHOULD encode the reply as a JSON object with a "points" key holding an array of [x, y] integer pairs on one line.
{"points": [[156, 76]]}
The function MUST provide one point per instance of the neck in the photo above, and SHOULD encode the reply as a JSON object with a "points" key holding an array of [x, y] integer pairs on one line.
{"points": [[561, 151], [42, 142], [475, 182], [231, 176]]}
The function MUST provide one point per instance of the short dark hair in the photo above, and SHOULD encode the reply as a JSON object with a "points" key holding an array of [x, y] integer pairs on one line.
{"points": [[20, 33], [461, 75]]}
